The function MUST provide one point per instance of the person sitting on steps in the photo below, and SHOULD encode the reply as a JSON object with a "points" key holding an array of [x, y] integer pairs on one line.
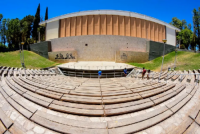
{"points": [[125, 72]]}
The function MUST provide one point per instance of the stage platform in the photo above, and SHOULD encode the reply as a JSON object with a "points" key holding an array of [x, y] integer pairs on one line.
{"points": [[95, 65]]}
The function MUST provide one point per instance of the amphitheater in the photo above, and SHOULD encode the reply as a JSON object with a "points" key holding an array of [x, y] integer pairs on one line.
{"points": [[46, 102]]}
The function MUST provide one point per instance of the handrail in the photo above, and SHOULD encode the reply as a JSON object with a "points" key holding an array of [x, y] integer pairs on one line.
{"points": [[81, 74], [60, 71], [130, 72], [94, 67], [93, 73]]}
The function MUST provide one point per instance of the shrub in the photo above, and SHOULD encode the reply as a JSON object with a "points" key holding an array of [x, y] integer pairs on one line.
{"points": [[3, 48], [182, 46]]}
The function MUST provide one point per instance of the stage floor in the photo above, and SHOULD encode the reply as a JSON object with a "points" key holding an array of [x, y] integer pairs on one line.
{"points": [[95, 65]]}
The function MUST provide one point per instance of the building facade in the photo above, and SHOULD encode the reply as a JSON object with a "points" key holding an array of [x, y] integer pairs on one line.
{"points": [[104, 35]]}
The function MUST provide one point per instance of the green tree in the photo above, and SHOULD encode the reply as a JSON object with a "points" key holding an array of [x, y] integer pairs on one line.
{"points": [[183, 24], [189, 26], [3, 48], [7, 38], [186, 36], [176, 22], [28, 23], [3, 31], [13, 33], [193, 39], [196, 26], [24, 31], [36, 24], [41, 29], [26, 27], [1, 16], [46, 14]]}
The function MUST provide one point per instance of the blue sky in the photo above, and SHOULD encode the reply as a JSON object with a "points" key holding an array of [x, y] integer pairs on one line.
{"points": [[160, 9]]}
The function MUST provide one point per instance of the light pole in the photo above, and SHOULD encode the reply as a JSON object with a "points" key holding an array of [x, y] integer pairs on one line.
{"points": [[23, 65], [20, 51], [164, 41], [175, 59], [22, 43]]}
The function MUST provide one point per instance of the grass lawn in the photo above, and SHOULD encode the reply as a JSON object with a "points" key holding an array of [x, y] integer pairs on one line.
{"points": [[31, 60], [184, 61]]}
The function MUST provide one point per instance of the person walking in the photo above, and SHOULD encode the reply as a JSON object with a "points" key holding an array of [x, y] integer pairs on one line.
{"points": [[125, 72], [143, 72], [99, 73]]}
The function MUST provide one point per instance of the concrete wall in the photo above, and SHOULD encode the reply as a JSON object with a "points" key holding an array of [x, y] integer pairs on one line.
{"points": [[52, 30], [124, 56], [41, 48], [171, 36], [99, 47], [156, 49], [63, 56]]}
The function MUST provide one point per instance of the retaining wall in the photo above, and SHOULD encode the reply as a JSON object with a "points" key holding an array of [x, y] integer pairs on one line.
{"points": [[41, 48]]}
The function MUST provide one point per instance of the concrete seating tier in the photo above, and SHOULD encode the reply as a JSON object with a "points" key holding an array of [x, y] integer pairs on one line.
{"points": [[189, 76], [59, 104]]}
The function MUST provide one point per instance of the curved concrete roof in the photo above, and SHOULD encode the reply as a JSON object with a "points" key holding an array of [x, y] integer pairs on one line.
{"points": [[110, 12]]}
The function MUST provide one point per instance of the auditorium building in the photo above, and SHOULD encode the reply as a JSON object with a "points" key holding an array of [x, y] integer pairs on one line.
{"points": [[105, 35]]}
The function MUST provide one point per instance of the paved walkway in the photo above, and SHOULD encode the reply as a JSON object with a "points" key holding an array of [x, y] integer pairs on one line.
{"points": [[95, 65]]}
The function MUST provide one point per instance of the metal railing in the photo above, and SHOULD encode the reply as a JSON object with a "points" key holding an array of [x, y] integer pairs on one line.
{"points": [[60, 71], [94, 67], [94, 75], [132, 72]]}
